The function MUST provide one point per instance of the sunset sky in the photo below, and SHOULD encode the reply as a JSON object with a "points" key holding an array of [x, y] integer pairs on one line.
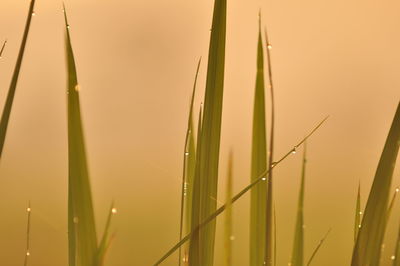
{"points": [[136, 62]]}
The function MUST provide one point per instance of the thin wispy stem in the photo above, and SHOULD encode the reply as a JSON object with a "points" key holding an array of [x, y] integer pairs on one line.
{"points": [[28, 231], [2, 48], [318, 247]]}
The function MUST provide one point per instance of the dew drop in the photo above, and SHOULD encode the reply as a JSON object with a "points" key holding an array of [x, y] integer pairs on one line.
{"points": [[76, 220], [393, 257], [114, 210], [269, 46], [264, 178], [28, 253], [28, 209], [397, 190], [186, 153], [232, 238], [33, 13]]}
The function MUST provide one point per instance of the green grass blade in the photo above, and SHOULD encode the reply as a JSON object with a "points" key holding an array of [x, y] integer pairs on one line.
{"points": [[28, 234], [298, 244], [357, 220], [2, 48], [189, 163], [268, 255], [210, 134], [258, 164], [81, 223], [317, 248], [105, 240], [13, 85], [370, 236], [221, 209], [228, 213], [396, 255]]}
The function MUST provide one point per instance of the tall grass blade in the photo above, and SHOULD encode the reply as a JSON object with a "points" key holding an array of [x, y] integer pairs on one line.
{"points": [[228, 213], [13, 85], [189, 163], [210, 135], [370, 236], [317, 248], [298, 244], [2, 48], [28, 234], [357, 219], [81, 223], [268, 258], [221, 209], [258, 164], [396, 255]]}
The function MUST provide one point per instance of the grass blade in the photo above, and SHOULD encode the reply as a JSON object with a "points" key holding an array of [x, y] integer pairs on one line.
{"points": [[228, 213], [370, 236], [210, 136], [357, 220], [298, 244], [258, 164], [318, 247], [221, 209], [105, 240], [13, 85], [2, 48], [28, 234], [396, 256], [189, 163], [81, 223], [268, 257]]}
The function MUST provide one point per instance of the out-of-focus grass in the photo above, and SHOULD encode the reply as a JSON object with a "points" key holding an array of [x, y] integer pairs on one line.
{"points": [[228, 237]]}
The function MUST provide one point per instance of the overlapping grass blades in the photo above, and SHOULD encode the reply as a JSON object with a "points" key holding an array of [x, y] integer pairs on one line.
{"points": [[228, 214], [221, 209], [317, 248], [105, 240], [369, 240], [13, 85], [210, 140], [81, 223], [189, 163], [258, 164], [298, 244]]}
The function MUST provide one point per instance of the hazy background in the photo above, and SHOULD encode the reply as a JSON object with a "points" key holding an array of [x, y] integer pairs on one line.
{"points": [[136, 61]]}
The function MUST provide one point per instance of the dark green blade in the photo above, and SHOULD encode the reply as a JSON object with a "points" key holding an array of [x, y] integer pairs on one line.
{"points": [[370, 236], [189, 163], [258, 164], [194, 233], [317, 248], [81, 223], [13, 85], [298, 244], [357, 219], [2, 48], [210, 137], [228, 214]]}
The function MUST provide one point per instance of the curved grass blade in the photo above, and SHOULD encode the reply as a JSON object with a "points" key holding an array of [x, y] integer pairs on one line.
{"points": [[210, 136], [370, 236], [298, 244], [228, 213], [13, 85], [318, 247], [189, 162], [268, 258], [357, 219], [2, 48], [28, 234], [221, 209], [258, 164], [81, 224]]}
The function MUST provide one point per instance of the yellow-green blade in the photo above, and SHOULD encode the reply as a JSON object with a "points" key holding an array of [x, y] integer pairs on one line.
{"points": [[13, 85], [369, 240], [105, 240], [258, 164], [194, 233], [189, 163], [357, 219], [228, 214], [396, 255], [81, 223], [298, 244], [210, 135]]}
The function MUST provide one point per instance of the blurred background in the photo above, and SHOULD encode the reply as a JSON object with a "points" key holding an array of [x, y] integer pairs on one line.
{"points": [[136, 61]]}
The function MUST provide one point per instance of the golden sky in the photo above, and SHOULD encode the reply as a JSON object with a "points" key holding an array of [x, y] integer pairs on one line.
{"points": [[136, 61]]}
